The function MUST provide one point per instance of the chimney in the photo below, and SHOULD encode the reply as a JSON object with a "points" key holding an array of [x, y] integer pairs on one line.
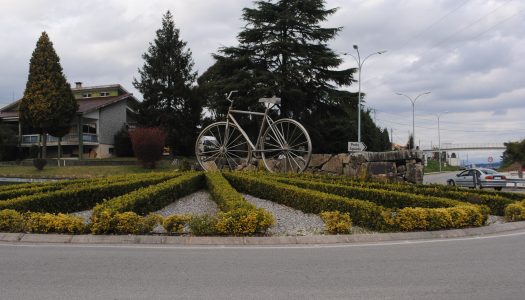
{"points": [[78, 84]]}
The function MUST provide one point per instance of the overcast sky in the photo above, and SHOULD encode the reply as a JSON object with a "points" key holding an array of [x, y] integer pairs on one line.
{"points": [[470, 54]]}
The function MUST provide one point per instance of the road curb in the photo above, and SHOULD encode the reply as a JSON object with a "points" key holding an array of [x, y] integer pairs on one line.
{"points": [[26, 238]]}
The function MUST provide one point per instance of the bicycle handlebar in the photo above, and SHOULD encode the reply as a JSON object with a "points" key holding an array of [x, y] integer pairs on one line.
{"points": [[229, 95]]}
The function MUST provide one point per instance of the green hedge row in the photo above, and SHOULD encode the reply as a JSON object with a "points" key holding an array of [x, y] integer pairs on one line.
{"points": [[494, 200], [64, 184], [79, 197], [386, 198], [363, 213], [147, 199], [238, 216]]}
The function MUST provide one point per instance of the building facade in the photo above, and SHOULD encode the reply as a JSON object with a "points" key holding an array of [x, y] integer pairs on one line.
{"points": [[103, 111]]}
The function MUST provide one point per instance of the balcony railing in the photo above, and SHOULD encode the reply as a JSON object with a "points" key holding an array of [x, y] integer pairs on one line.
{"points": [[69, 139]]}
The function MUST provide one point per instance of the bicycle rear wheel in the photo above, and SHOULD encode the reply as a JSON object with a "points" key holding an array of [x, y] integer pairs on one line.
{"points": [[286, 147], [217, 149]]}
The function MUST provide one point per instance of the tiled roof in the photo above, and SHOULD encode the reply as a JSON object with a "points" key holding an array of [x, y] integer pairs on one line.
{"points": [[84, 105]]}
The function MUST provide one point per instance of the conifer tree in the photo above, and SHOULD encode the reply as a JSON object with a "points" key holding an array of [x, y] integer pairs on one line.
{"points": [[166, 83], [48, 102], [283, 50]]}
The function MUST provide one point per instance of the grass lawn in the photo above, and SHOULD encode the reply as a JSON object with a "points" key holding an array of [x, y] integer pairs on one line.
{"points": [[76, 171], [433, 166]]}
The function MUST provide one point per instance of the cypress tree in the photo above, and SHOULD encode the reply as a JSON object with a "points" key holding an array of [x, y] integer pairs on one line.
{"points": [[166, 83], [48, 105]]}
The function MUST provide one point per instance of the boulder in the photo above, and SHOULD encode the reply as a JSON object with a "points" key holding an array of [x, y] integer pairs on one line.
{"points": [[318, 160], [334, 165]]}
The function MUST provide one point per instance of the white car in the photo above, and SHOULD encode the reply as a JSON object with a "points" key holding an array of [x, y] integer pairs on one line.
{"points": [[479, 178]]}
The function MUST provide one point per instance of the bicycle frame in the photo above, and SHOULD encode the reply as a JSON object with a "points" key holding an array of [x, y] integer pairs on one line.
{"points": [[266, 121]]}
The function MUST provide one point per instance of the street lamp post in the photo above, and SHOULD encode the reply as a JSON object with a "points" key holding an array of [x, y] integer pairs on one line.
{"points": [[413, 101], [439, 137], [360, 67]]}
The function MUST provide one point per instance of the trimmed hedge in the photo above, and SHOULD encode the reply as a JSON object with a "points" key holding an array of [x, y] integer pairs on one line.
{"points": [[496, 201], [390, 199], [78, 198], [64, 184], [238, 216], [154, 197], [363, 213]]}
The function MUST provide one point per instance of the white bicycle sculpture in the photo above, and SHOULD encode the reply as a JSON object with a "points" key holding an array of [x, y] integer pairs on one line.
{"points": [[284, 145]]}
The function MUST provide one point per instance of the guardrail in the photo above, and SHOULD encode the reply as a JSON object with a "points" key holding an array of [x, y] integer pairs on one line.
{"points": [[516, 182]]}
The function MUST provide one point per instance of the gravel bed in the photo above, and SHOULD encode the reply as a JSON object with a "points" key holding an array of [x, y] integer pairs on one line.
{"points": [[198, 203], [495, 220], [86, 215], [289, 221]]}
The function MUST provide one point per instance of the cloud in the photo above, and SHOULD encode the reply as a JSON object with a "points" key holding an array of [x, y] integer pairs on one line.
{"points": [[467, 53]]}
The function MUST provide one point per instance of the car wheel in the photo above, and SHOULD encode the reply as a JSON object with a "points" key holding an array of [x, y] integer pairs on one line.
{"points": [[498, 188], [451, 183]]}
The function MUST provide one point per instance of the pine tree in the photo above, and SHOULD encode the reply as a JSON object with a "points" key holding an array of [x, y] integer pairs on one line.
{"points": [[48, 103], [166, 83], [283, 51]]}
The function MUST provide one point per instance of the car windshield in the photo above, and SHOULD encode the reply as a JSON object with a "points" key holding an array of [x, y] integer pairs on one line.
{"points": [[489, 171]]}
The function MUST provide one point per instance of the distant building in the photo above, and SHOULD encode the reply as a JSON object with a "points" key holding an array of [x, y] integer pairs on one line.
{"points": [[103, 110]]}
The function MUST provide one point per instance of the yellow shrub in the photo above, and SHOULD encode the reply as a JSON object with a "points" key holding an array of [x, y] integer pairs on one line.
{"points": [[515, 212], [175, 223], [11, 221], [51, 223], [131, 223], [409, 218], [439, 218], [336, 222], [244, 221]]}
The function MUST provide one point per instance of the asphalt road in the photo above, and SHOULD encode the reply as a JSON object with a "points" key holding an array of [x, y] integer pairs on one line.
{"points": [[470, 268]]}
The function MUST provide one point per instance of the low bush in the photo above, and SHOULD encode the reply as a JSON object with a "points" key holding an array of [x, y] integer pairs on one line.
{"points": [[203, 225], [515, 212], [386, 198], [336, 222], [108, 221], [243, 221], [417, 218], [364, 213], [176, 223], [51, 223], [496, 201], [11, 221], [238, 216], [79, 197], [154, 197]]}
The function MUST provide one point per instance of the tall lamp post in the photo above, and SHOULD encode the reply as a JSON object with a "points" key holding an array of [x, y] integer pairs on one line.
{"points": [[360, 67], [413, 101], [439, 137]]}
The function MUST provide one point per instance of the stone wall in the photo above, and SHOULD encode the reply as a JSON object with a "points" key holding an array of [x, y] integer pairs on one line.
{"points": [[393, 166]]}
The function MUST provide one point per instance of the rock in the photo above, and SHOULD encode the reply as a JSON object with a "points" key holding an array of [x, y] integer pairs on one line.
{"points": [[381, 168], [318, 160], [334, 165]]}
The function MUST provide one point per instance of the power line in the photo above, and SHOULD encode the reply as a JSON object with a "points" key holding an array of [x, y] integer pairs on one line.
{"points": [[471, 24]]}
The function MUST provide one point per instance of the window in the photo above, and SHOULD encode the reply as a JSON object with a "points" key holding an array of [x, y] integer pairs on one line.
{"points": [[89, 128], [104, 94], [86, 95]]}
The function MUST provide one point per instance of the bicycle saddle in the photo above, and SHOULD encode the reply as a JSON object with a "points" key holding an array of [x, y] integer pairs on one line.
{"points": [[272, 100]]}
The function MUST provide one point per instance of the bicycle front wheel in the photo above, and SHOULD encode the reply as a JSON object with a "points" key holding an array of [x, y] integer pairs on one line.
{"points": [[219, 149], [286, 147]]}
